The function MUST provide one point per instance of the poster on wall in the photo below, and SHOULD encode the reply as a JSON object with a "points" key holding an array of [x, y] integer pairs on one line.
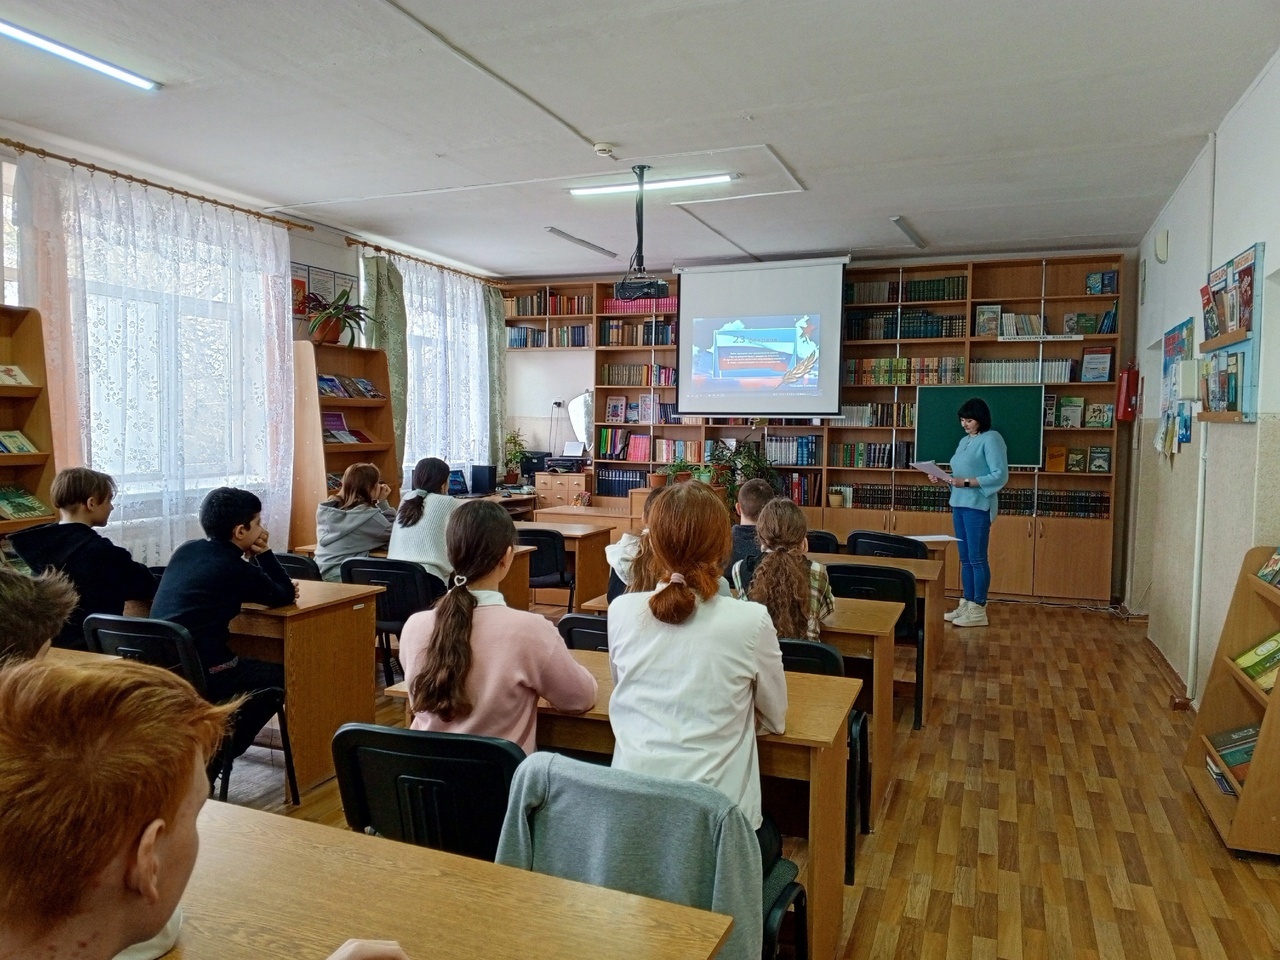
{"points": [[298, 288], [1179, 343], [345, 281], [321, 283]]}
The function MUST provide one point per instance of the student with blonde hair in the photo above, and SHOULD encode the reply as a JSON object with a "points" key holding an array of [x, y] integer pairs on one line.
{"points": [[794, 589], [473, 665], [695, 672], [102, 771], [354, 521]]}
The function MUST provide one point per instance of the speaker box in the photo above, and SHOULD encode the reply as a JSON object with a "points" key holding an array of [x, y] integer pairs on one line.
{"points": [[484, 478]]}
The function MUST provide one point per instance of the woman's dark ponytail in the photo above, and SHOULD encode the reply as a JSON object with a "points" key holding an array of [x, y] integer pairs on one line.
{"points": [[429, 476]]}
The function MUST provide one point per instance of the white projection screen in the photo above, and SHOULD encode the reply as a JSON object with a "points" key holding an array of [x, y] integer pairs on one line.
{"points": [[761, 339]]}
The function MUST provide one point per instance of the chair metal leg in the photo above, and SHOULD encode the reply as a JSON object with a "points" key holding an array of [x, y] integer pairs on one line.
{"points": [[852, 794], [287, 750], [801, 930], [919, 720], [864, 776], [227, 761], [569, 609], [388, 672]]}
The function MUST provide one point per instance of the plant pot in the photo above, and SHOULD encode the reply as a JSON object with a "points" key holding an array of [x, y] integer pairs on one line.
{"points": [[511, 478], [329, 331], [657, 480], [683, 476], [835, 500]]}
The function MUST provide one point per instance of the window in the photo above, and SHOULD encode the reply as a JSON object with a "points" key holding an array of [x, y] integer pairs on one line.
{"points": [[8, 236]]}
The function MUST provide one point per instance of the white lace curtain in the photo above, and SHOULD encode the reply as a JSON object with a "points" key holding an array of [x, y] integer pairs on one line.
{"points": [[169, 347], [449, 377]]}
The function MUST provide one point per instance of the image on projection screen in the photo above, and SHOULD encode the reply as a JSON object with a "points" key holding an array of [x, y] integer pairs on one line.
{"points": [[755, 357]]}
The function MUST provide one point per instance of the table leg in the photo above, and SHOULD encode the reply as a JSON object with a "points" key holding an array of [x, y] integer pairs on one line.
{"points": [[881, 720], [515, 585], [591, 569], [826, 847], [934, 634]]}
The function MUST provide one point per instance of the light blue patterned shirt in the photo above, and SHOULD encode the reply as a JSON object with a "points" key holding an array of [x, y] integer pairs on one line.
{"points": [[983, 456]]}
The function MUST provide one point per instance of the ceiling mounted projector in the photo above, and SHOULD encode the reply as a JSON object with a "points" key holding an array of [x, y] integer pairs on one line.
{"points": [[637, 284]]}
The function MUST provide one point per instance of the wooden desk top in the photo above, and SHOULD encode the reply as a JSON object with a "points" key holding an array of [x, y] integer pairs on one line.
{"points": [[571, 531], [314, 595], [253, 894], [78, 657], [816, 706], [922, 570], [611, 512], [309, 550], [873, 617], [598, 604]]}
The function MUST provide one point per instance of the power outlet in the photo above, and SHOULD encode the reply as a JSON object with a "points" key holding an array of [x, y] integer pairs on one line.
{"points": [[558, 402]]}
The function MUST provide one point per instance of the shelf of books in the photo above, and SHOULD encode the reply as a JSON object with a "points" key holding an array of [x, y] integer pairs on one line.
{"points": [[1051, 321], [26, 432], [540, 317], [1233, 759], [341, 416]]}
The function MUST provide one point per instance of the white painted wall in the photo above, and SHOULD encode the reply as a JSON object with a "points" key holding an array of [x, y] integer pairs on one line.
{"points": [[324, 248], [537, 377]]}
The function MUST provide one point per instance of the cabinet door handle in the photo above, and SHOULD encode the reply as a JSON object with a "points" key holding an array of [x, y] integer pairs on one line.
{"points": [[1040, 526], [1029, 525]]}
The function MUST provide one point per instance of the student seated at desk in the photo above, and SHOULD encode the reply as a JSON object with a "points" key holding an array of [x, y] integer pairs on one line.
{"points": [[794, 588], [474, 666], [694, 671], [32, 611], [354, 520], [632, 568], [418, 534], [104, 575], [752, 496], [206, 583], [92, 879]]}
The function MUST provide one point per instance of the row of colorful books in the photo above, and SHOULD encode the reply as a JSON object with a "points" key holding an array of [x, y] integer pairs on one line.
{"points": [[1261, 663], [546, 303], [899, 291], [876, 415], [352, 388], [1270, 571], [1062, 459], [637, 375], [799, 451], [902, 325], [334, 429], [881, 456], [691, 451], [1083, 504], [646, 305], [803, 489], [623, 333], [612, 482], [19, 504], [904, 371], [1073, 412], [1033, 370], [15, 441]]}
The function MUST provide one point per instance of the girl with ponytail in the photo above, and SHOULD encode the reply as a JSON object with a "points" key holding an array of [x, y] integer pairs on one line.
{"points": [[794, 589], [694, 671], [472, 664], [418, 533]]}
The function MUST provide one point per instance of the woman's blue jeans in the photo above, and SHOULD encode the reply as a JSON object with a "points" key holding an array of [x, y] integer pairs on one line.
{"points": [[973, 529]]}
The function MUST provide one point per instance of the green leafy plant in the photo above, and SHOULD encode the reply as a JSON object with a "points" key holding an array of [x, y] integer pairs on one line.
{"points": [[514, 445], [677, 466], [340, 312]]}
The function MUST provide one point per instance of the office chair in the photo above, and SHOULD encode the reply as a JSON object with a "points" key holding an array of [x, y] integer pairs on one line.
{"points": [[862, 580], [162, 643], [820, 541], [447, 791], [548, 566], [805, 656], [584, 631], [409, 589], [299, 567]]}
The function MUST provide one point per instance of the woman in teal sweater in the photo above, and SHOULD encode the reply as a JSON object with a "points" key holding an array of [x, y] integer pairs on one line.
{"points": [[979, 469]]}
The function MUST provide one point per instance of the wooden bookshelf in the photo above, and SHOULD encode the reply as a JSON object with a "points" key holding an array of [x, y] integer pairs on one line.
{"points": [[26, 408], [1249, 820], [313, 459], [1040, 554]]}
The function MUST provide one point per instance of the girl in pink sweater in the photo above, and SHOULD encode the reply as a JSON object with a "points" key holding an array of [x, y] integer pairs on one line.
{"points": [[472, 664]]}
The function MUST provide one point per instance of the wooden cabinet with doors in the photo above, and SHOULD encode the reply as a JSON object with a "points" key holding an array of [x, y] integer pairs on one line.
{"points": [[1072, 558], [559, 489]]}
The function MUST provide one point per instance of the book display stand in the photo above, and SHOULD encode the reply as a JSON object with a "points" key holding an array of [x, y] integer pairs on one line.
{"points": [[24, 407], [1232, 700], [321, 453]]}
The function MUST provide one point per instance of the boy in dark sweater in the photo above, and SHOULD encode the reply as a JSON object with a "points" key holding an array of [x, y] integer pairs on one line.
{"points": [[206, 581], [104, 574], [752, 496]]}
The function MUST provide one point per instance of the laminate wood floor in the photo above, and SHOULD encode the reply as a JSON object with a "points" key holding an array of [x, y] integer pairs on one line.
{"points": [[1042, 813]]}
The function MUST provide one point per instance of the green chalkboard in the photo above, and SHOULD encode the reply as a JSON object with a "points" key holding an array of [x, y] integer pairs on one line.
{"points": [[1017, 414]]}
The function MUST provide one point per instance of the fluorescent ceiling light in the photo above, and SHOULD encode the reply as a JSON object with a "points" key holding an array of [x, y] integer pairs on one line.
{"points": [[901, 223], [652, 185], [582, 243], [75, 56]]}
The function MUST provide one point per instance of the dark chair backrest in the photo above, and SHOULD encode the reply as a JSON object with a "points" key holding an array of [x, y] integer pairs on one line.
{"points": [[806, 656], [447, 791], [409, 588], [549, 554], [584, 631], [820, 541], [157, 572], [299, 567], [160, 643], [867, 582], [872, 543]]}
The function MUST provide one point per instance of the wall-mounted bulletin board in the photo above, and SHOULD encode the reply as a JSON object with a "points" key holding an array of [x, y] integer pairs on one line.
{"points": [[1232, 305]]}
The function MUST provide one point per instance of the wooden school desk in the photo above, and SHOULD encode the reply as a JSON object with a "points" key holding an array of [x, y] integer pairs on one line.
{"points": [[815, 748], [325, 641], [861, 629], [275, 888], [615, 517], [514, 586], [584, 543], [930, 584], [80, 658]]}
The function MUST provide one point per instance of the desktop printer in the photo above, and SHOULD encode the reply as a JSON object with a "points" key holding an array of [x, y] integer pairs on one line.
{"points": [[566, 464]]}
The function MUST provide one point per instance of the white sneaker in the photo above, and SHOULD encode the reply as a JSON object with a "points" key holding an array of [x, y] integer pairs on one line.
{"points": [[951, 615], [975, 615]]}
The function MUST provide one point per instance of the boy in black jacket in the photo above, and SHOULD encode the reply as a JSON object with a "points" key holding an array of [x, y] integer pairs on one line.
{"points": [[104, 574], [206, 581]]}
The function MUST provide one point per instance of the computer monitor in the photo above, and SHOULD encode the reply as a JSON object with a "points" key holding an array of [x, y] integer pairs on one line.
{"points": [[457, 484]]}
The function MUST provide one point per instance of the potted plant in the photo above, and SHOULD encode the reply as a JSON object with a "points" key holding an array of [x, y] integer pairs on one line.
{"points": [[657, 479], [679, 470], [513, 444], [835, 497], [328, 320]]}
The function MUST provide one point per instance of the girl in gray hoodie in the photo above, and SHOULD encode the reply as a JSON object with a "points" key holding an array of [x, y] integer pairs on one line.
{"points": [[354, 521]]}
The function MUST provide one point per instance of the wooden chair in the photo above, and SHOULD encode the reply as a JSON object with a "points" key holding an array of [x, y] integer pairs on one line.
{"points": [[409, 589]]}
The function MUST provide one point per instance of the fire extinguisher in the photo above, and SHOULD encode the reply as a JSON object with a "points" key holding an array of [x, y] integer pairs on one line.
{"points": [[1127, 393]]}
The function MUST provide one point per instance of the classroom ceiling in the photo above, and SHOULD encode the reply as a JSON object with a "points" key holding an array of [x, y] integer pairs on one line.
{"points": [[455, 129]]}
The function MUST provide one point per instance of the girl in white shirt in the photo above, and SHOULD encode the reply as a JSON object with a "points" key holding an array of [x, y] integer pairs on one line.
{"points": [[418, 534], [695, 671]]}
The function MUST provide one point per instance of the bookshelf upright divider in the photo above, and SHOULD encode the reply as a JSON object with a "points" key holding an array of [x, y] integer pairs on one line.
{"points": [[25, 407]]}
